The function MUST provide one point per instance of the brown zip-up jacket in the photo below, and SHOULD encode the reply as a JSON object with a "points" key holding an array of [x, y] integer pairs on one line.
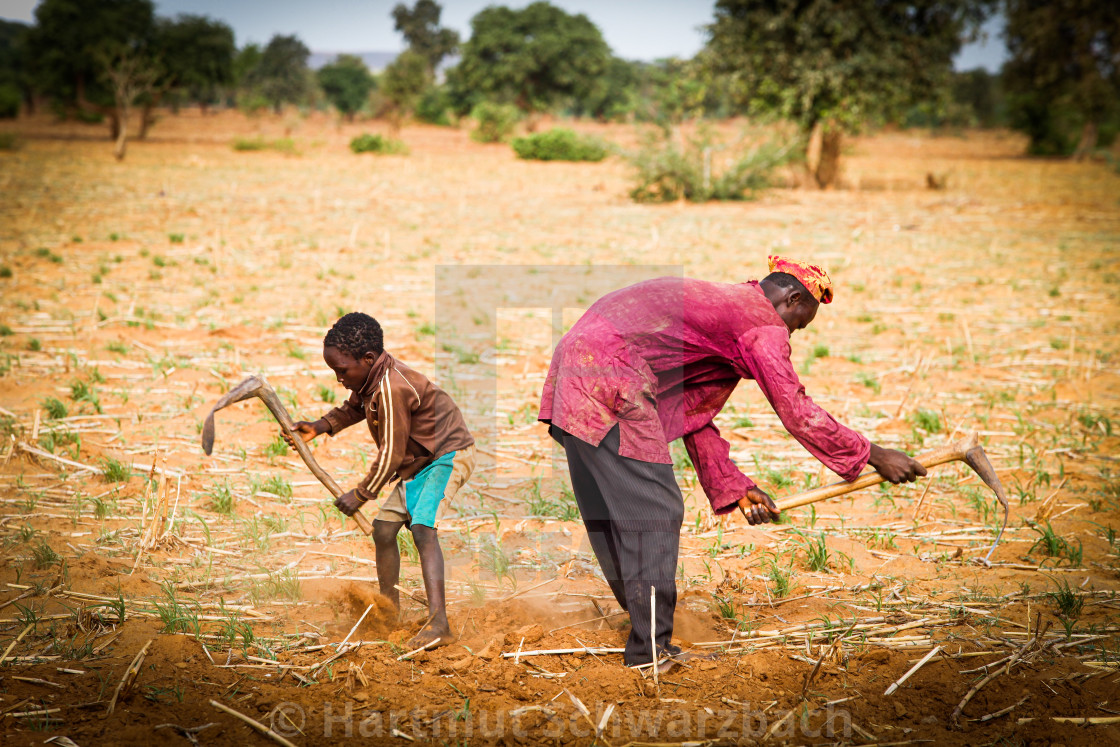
{"points": [[412, 421]]}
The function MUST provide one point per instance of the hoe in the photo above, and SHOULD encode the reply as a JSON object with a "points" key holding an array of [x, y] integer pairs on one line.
{"points": [[967, 450], [258, 386]]}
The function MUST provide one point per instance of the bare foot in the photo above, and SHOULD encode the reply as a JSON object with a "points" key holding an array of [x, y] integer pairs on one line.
{"points": [[429, 634]]}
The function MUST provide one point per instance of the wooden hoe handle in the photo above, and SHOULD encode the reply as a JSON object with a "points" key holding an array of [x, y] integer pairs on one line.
{"points": [[967, 450], [258, 386]]}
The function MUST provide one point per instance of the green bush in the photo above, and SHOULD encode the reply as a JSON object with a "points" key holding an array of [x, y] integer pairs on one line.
{"points": [[495, 122], [252, 104], [9, 141], [367, 143], [434, 107], [281, 145], [10, 100], [247, 143], [85, 116], [703, 170], [559, 144]]}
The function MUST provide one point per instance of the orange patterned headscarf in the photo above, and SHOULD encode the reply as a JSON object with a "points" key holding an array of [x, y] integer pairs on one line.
{"points": [[813, 277]]}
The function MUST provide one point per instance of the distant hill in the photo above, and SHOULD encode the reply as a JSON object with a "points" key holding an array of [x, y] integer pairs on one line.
{"points": [[375, 61]]}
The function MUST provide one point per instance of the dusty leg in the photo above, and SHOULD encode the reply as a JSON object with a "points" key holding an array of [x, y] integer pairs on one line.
{"points": [[431, 565], [388, 559]]}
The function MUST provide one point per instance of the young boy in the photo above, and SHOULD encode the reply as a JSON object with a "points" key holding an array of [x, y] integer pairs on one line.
{"points": [[422, 440]]}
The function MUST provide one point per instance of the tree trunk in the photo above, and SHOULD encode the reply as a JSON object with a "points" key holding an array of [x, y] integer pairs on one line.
{"points": [[122, 133], [813, 149], [114, 125], [828, 170], [146, 121], [1088, 142]]}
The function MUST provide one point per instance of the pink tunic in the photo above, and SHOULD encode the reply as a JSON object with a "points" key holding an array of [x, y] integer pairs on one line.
{"points": [[660, 359]]}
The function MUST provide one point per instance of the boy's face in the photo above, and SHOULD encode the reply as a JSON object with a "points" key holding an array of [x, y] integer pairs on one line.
{"points": [[351, 372]]}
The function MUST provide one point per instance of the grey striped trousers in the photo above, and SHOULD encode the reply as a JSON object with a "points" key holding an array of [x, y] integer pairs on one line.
{"points": [[632, 511]]}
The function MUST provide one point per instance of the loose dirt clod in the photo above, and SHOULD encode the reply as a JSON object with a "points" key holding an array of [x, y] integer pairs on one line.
{"points": [[356, 597]]}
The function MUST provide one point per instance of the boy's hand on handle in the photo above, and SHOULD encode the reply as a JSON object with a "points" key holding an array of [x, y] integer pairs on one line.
{"points": [[349, 502], [306, 431], [895, 466], [758, 507]]}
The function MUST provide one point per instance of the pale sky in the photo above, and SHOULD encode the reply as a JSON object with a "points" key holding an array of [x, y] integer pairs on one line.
{"points": [[635, 29]]}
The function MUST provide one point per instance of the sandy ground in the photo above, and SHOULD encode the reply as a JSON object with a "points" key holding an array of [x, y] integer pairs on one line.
{"points": [[134, 294]]}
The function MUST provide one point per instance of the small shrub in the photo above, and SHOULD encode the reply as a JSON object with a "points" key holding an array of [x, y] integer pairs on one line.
{"points": [[278, 486], [55, 408], [115, 471], [10, 101], [250, 144], [434, 107], [276, 447], [385, 146], [495, 122], [284, 145], [559, 144], [5, 271], [221, 499], [9, 141], [45, 253], [816, 553], [667, 172], [280, 145], [45, 556], [927, 420], [1067, 600]]}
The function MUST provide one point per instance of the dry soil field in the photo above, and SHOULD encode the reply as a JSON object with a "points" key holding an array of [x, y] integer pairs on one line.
{"points": [[142, 582]]}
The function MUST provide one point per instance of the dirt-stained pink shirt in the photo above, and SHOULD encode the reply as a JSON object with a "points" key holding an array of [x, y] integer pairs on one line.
{"points": [[660, 359]]}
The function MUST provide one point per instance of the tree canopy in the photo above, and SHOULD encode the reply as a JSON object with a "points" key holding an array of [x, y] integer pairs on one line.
{"points": [[838, 64], [533, 57], [197, 54], [281, 74], [420, 27], [347, 84], [1065, 64], [69, 39], [13, 74], [844, 61], [402, 83]]}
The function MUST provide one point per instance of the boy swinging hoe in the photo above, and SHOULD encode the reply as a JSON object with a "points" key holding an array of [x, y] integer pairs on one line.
{"points": [[422, 440]]}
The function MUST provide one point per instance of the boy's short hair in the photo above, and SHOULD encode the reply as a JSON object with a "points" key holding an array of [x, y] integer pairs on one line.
{"points": [[356, 334]]}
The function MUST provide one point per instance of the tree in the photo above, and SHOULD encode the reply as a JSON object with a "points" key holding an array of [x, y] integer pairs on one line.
{"points": [[613, 95], [833, 65], [347, 84], [533, 57], [420, 27], [402, 83], [130, 75], [68, 43], [13, 73], [1065, 61], [981, 94], [281, 74], [197, 53]]}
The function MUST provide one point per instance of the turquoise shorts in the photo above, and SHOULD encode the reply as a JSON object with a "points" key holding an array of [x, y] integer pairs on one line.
{"points": [[417, 501]]}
